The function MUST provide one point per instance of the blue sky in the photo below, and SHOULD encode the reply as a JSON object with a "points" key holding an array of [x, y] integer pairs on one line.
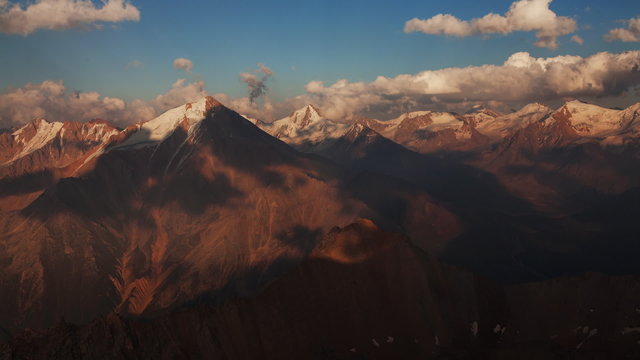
{"points": [[299, 40]]}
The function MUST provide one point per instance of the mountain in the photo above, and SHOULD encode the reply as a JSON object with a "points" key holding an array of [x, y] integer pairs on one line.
{"points": [[39, 153], [427, 131], [195, 205], [366, 293], [200, 231], [567, 157], [304, 128]]}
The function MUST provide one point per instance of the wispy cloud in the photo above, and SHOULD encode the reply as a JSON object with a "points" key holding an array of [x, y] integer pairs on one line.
{"points": [[577, 39], [523, 15], [257, 81], [630, 34], [62, 14], [134, 64]]}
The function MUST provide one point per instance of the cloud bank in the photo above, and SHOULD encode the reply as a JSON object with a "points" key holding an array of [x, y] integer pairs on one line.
{"points": [[62, 14], [523, 15], [521, 78], [630, 34], [53, 101], [183, 64]]}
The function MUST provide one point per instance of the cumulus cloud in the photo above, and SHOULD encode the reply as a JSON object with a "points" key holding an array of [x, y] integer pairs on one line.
{"points": [[183, 64], [523, 15], [521, 78], [181, 92], [630, 34], [257, 81], [62, 14], [265, 110], [53, 101]]}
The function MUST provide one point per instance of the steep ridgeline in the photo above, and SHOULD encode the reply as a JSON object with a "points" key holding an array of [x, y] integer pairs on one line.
{"points": [[366, 293], [39, 153], [195, 205]]}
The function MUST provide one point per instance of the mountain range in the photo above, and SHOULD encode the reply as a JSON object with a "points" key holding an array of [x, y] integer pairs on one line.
{"points": [[431, 235]]}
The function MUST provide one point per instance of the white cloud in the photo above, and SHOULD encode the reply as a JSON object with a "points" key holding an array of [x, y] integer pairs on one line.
{"points": [[522, 78], [264, 110], [184, 64], [62, 14], [630, 34], [523, 15], [577, 39], [181, 92], [51, 100]]}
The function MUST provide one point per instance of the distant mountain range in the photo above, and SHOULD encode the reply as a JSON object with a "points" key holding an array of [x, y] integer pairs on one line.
{"points": [[226, 229]]}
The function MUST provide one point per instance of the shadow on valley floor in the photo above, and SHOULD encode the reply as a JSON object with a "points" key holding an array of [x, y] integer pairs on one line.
{"points": [[504, 236], [26, 183]]}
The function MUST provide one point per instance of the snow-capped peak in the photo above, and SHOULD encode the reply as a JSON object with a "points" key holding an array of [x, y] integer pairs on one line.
{"points": [[304, 126], [305, 116], [156, 130]]}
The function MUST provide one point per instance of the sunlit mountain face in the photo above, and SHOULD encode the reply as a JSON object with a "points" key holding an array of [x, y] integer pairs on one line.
{"points": [[359, 180]]}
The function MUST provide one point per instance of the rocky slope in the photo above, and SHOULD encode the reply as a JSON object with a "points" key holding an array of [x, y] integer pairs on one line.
{"points": [[366, 293]]}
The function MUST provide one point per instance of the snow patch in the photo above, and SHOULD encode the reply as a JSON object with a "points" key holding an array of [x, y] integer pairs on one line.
{"points": [[45, 132]]}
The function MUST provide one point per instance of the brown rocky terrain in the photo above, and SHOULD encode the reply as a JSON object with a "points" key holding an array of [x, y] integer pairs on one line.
{"points": [[40, 153], [366, 293]]}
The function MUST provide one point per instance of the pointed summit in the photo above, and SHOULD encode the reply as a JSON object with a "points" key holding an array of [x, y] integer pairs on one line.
{"points": [[305, 116], [304, 128], [156, 130]]}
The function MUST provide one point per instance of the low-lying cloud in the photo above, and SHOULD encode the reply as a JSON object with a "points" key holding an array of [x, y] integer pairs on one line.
{"points": [[630, 34], [522, 78], [53, 101], [523, 15], [62, 14]]}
